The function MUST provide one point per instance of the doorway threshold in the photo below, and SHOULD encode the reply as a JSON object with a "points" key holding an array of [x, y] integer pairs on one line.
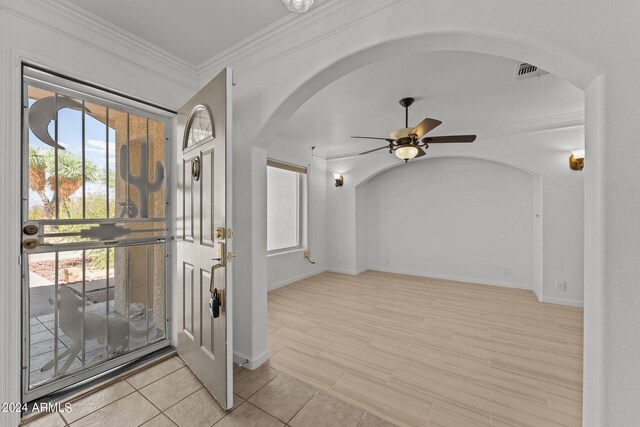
{"points": [[93, 384]]}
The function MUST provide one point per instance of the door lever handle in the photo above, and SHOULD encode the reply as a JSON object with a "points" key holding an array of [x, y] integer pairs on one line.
{"points": [[34, 243], [212, 286], [214, 301]]}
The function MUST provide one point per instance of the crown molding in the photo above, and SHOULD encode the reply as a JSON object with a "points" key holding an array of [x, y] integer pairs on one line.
{"points": [[82, 26], [273, 37], [553, 123], [285, 30]]}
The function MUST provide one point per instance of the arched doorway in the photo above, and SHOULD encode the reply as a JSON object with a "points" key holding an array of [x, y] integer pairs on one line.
{"points": [[576, 72]]}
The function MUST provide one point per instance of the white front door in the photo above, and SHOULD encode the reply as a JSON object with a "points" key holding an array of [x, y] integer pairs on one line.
{"points": [[204, 237]]}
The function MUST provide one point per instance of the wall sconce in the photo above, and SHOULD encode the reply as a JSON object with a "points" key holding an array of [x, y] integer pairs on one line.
{"points": [[339, 179], [576, 160]]}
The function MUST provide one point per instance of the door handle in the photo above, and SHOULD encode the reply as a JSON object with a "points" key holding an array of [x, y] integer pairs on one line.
{"points": [[215, 302], [34, 243], [212, 285]]}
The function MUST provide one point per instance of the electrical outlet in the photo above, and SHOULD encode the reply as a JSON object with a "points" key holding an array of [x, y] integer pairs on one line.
{"points": [[276, 273], [387, 260], [561, 286], [507, 271]]}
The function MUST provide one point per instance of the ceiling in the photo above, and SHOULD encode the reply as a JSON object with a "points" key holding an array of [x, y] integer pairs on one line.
{"points": [[193, 30], [468, 92]]}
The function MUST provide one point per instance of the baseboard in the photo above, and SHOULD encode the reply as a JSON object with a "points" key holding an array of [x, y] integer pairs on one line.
{"points": [[454, 278], [247, 362], [343, 271], [294, 279], [562, 301], [537, 295]]}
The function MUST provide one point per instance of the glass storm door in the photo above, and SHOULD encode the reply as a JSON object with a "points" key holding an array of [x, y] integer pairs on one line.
{"points": [[204, 237], [94, 251]]}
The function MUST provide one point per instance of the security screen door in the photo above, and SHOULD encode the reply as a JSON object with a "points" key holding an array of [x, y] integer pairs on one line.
{"points": [[95, 202], [204, 237]]}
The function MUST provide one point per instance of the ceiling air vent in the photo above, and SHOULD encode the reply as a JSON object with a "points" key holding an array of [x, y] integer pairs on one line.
{"points": [[526, 71]]}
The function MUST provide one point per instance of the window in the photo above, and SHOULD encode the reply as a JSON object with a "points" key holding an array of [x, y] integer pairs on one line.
{"points": [[286, 206]]}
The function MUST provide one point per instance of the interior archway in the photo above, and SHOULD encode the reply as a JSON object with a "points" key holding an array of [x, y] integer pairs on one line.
{"points": [[573, 71], [568, 67]]}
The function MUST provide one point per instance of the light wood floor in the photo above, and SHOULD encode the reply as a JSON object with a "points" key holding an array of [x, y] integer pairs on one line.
{"points": [[418, 351]]}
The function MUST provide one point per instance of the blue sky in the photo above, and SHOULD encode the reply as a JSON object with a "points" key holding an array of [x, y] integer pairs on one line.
{"points": [[70, 137]]}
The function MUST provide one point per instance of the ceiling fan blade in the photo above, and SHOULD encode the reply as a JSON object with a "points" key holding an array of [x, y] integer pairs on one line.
{"points": [[421, 153], [427, 125], [371, 151], [449, 139], [373, 137]]}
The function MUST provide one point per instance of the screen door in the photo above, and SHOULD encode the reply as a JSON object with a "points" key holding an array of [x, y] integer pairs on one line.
{"points": [[94, 230]]}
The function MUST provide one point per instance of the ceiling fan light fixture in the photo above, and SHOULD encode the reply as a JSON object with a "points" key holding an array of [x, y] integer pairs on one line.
{"points": [[299, 6], [406, 152], [400, 133]]}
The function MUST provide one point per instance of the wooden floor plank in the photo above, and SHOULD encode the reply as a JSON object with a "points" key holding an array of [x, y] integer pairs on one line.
{"points": [[431, 352]]}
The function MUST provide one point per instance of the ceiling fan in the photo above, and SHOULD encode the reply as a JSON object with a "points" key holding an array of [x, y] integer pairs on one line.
{"points": [[406, 142]]}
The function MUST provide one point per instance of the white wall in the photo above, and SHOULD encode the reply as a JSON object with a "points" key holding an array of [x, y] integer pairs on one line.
{"points": [[367, 231], [555, 196], [65, 43], [588, 42], [453, 218], [288, 267]]}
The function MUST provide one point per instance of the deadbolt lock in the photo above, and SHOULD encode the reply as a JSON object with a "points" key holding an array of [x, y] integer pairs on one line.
{"points": [[31, 243], [30, 229], [219, 233]]}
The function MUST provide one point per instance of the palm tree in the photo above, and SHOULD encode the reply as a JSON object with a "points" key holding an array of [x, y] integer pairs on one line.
{"points": [[42, 175]]}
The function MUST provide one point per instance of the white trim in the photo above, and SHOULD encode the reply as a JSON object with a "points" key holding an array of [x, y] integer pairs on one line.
{"points": [[69, 20], [228, 218], [294, 279], [66, 9], [535, 292], [455, 278], [288, 29], [285, 251], [562, 301], [10, 271], [243, 360], [346, 271]]}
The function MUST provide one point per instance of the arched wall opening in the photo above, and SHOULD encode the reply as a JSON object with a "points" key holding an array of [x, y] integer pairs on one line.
{"points": [[475, 220], [567, 67], [579, 73]]}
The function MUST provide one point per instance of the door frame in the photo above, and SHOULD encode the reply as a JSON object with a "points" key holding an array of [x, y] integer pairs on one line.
{"points": [[126, 103]]}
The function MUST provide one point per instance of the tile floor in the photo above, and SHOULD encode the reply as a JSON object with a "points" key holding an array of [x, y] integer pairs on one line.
{"points": [[42, 339], [431, 353], [168, 394]]}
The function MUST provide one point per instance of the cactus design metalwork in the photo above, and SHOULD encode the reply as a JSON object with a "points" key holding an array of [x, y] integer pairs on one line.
{"points": [[141, 181]]}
